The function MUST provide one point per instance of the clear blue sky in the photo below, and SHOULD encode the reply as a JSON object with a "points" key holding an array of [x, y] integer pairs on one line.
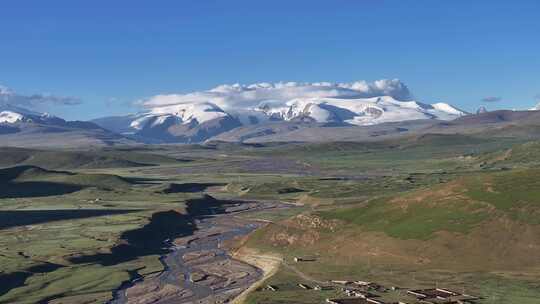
{"points": [[457, 51]]}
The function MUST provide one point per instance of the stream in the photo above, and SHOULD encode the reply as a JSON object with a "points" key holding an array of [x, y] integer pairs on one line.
{"points": [[196, 267]]}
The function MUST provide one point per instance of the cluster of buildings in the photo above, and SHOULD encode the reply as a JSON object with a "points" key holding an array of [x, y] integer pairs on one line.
{"points": [[360, 292], [441, 295]]}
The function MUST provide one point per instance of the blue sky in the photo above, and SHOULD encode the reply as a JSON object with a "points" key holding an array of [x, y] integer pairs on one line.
{"points": [[111, 53]]}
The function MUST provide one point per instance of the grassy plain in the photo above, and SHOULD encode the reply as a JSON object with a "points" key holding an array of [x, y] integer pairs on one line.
{"points": [[444, 210]]}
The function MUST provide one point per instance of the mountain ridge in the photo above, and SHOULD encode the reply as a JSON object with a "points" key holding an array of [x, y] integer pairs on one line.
{"points": [[266, 112], [200, 121], [20, 127]]}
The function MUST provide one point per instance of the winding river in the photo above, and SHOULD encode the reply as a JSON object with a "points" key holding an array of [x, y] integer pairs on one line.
{"points": [[197, 269]]}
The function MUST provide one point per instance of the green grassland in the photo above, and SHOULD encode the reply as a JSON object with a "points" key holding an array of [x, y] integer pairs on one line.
{"points": [[511, 194], [414, 212], [50, 216], [44, 238], [288, 291], [416, 222], [68, 159], [446, 225], [54, 242], [426, 153]]}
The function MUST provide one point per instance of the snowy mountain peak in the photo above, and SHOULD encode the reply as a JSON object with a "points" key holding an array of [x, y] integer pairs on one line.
{"points": [[358, 111], [181, 113], [10, 117], [446, 108], [201, 112], [357, 103], [10, 114]]}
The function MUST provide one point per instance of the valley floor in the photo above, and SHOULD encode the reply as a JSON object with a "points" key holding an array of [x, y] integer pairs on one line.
{"points": [[454, 211]]}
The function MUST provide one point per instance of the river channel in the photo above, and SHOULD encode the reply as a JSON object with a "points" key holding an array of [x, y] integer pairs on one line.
{"points": [[197, 269]]}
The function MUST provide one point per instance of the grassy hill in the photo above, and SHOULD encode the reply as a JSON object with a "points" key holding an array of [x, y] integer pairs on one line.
{"points": [[79, 159], [423, 153], [525, 155], [493, 209], [32, 181], [457, 206], [475, 227]]}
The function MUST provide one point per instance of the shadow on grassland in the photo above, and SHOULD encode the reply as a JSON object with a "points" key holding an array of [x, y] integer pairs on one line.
{"points": [[149, 239], [14, 218], [15, 279], [189, 187], [36, 189], [144, 241], [10, 219]]}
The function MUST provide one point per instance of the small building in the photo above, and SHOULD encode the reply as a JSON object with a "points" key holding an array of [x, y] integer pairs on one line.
{"points": [[369, 285], [303, 259], [446, 301], [304, 286], [319, 287], [441, 295], [359, 294], [434, 293], [354, 301]]}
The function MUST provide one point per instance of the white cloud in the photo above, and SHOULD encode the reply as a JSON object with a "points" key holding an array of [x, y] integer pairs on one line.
{"points": [[10, 97], [537, 100], [239, 97]]}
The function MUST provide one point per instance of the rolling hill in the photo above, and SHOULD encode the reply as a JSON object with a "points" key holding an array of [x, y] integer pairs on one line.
{"points": [[89, 159], [32, 181], [483, 222]]}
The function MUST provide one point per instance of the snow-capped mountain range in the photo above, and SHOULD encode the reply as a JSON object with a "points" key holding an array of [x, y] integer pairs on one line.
{"points": [[22, 118], [10, 114], [284, 111], [20, 127], [200, 115]]}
